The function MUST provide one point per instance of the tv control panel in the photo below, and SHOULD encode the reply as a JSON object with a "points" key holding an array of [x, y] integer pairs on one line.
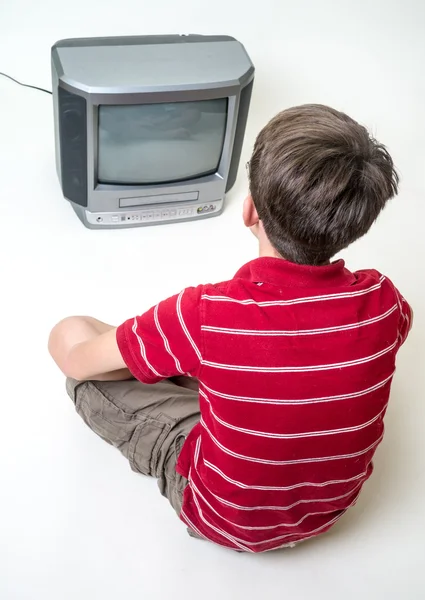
{"points": [[153, 215]]}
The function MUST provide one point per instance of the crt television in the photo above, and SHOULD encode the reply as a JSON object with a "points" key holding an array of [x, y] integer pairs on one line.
{"points": [[149, 129]]}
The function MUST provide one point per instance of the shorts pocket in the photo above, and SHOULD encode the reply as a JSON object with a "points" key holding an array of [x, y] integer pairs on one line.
{"points": [[104, 418], [148, 449]]}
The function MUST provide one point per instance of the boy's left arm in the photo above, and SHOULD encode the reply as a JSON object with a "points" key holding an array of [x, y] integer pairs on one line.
{"points": [[85, 348], [162, 343]]}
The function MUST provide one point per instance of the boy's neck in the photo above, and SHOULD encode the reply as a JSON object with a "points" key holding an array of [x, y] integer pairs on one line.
{"points": [[266, 250]]}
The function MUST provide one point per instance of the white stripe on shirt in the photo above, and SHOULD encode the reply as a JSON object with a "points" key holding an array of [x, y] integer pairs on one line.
{"points": [[183, 325], [299, 332], [277, 508], [227, 536], [256, 400], [166, 343], [286, 488], [307, 299], [298, 461], [197, 449], [237, 541], [188, 522], [280, 537], [291, 436], [191, 525], [143, 350], [303, 369], [195, 491], [314, 532], [399, 299]]}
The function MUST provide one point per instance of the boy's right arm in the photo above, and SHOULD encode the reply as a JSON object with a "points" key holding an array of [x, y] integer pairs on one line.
{"points": [[406, 317]]}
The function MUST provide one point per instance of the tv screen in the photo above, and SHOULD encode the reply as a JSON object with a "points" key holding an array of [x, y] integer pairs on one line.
{"points": [[160, 143]]}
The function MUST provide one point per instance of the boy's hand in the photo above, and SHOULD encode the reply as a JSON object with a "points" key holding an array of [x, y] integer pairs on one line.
{"points": [[85, 348]]}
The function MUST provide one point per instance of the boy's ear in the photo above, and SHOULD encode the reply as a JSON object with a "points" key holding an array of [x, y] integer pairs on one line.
{"points": [[250, 215]]}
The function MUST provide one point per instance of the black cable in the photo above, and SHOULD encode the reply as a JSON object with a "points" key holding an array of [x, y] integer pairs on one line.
{"points": [[33, 87]]}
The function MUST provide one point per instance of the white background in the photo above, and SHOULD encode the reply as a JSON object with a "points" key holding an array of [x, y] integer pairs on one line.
{"points": [[75, 522]]}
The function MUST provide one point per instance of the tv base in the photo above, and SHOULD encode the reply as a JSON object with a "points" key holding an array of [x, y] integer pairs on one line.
{"points": [[149, 215]]}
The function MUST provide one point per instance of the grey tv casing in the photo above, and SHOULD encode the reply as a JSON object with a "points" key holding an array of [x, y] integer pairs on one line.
{"points": [[87, 73]]}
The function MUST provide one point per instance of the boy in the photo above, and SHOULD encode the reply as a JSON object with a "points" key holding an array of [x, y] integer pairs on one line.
{"points": [[294, 357]]}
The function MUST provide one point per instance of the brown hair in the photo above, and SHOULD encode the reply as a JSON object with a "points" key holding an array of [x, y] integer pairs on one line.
{"points": [[318, 181]]}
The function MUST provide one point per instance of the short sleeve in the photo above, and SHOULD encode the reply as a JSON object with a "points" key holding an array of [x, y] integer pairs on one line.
{"points": [[406, 318], [166, 340]]}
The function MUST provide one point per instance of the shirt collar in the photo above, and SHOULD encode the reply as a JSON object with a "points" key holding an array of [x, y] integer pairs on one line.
{"points": [[282, 273]]}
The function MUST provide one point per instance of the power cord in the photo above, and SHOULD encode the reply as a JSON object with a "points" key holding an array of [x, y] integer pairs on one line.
{"points": [[33, 87]]}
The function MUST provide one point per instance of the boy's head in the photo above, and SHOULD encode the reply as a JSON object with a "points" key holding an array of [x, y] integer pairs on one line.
{"points": [[318, 181]]}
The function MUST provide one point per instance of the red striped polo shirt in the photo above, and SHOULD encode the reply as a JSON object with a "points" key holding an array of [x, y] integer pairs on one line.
{"points": [[295, 365]]}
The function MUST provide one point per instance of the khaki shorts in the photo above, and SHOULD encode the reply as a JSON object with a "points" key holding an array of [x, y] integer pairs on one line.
{"points": [[147, 423]]}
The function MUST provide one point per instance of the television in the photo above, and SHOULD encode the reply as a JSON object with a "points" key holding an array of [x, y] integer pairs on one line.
{"points": [[149, 129]]}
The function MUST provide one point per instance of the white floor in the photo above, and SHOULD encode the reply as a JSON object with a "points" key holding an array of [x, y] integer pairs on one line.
{"points": [[75, 522]]}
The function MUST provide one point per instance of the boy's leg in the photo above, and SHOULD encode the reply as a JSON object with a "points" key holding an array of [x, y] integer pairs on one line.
{"points": [[147, 423]]}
